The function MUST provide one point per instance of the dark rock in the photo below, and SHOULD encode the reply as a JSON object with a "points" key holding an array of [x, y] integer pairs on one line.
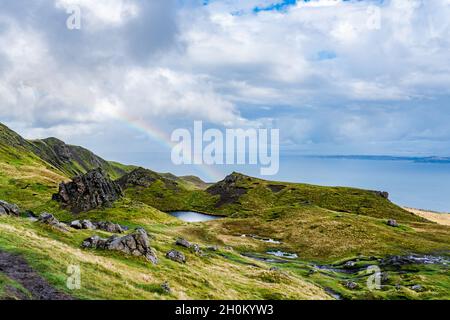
{"points": [[349, 264], [166, 287], [89, 191], [351, 285], [392, 223], [196, 248], [382, 194], [145, 178], [135, 244], [384, 277], [183, 242], [176, 256], [274, 269], [86, 224], [49, 219], [417, 288], [275, 188], [76, 224], [398, 261], [228, 189], [109, 227], [7, 209]]}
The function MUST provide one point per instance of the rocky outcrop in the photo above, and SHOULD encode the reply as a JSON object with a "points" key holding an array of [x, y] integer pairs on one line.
{"points": [[382, 194], [102, 225], [89, 191], [7, 209], [176, 256], [141, 177], [50, 220], [228, 189], [135, 244], [83, 224]]}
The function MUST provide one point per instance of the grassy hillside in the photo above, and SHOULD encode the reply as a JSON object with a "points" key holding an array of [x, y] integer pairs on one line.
{"points": [[324, 227], [74, 160], [241, 196]]}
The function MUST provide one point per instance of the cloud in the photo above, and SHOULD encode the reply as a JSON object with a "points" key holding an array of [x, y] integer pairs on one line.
{"points": [[329, 73]]}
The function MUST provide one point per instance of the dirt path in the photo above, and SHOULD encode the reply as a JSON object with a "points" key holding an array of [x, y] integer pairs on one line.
{"points": [[16, 268]]}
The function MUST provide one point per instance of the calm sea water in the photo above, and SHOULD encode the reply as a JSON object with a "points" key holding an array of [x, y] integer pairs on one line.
{"points": [[417, 185]]}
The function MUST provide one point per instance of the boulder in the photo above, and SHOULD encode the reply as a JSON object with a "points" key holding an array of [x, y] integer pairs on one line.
{"points": [[392, 223], [50, 220], [7, 209], [417, 288], [213, 248], [109, 227], [351, 285], [166, 287], [349, 264], [76, 224], [135, 244], [176, 256], [89, 191], [86, 224], [183, 242]]}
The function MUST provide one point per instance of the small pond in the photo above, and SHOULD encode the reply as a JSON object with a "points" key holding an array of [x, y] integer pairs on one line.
{"points": [[190, 216]]}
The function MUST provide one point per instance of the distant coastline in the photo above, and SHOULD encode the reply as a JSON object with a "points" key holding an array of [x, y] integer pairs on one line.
{"points": [[438, 217], [429, 159]]}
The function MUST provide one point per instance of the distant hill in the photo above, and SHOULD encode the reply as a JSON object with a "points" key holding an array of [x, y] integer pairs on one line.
{"points": [[68, 159]]}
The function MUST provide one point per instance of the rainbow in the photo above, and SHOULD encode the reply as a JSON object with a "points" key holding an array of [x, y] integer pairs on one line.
{"points": [[162, 138]]}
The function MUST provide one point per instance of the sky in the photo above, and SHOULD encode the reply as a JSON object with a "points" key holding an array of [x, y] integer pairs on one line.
{"points": [[335, 76]]}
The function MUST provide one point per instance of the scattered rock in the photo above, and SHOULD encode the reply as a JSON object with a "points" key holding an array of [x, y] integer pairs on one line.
{"points": [[183, 242], [384, 277], [7, 209], [136, 244], [49, 219], [166, 287], [349, 264], [196, 248], [392, 223], [76, 224], [89, 191], [212, 248], [351, 285], [417, 288], [102, 225], [109, 227], [398, 261], [176, 256], [274, 269]]}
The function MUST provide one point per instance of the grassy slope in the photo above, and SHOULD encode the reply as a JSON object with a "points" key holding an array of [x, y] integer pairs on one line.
{"points": [[318, 223], [80, 160], [107, 275]]}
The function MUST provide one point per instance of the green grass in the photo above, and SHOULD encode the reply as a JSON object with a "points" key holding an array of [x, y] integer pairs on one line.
{"points": [[322, 225]]}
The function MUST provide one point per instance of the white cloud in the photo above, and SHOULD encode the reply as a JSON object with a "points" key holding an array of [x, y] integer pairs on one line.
{"points": [[227, 65]]}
